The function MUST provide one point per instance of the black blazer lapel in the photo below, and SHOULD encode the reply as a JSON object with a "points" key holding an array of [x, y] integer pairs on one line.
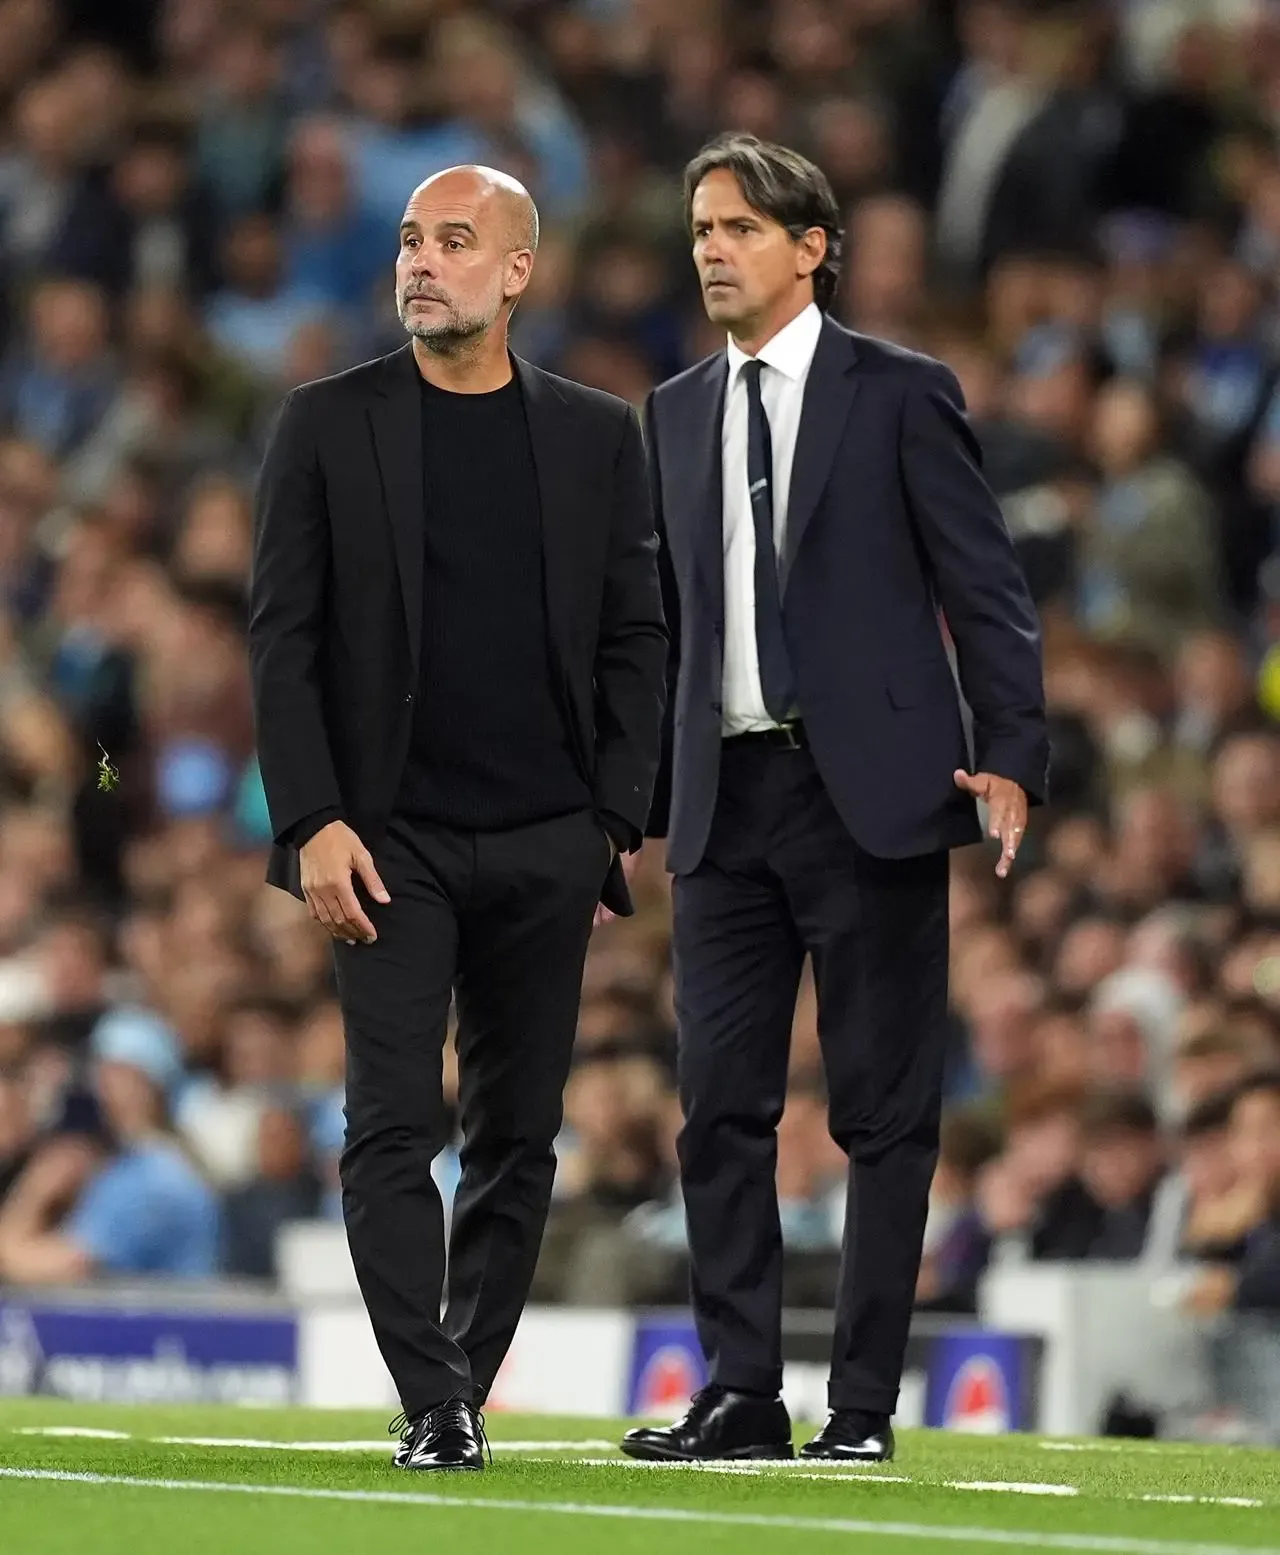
{"points": [[551, 435], [396, 416], [708, 484], [828, 394]]}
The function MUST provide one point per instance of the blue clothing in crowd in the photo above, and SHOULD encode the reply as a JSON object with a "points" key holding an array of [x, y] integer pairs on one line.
{"points": [[148, 1212]]}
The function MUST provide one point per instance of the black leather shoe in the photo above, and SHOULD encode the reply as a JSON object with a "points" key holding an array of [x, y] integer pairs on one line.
{"points": [[451, 1436], [852, 1436], [718, 1424]]}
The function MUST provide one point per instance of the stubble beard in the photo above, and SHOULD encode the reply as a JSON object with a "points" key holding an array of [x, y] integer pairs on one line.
{"points": [[450, 334]]}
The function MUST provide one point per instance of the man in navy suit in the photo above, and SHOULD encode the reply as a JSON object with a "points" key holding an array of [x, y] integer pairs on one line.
{"points": [[820, 508]]}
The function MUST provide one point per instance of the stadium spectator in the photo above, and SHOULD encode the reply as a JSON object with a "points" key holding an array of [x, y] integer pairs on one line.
{"points": [[148, 222], [1252, 1284], [254, 318], [136, 1206], [334, 250], [1032, 1195], [1219, 1209], [281, 1188], [956, 1242], [1147, 562], [220, 1113], [56, 385], [1121, 1166]]}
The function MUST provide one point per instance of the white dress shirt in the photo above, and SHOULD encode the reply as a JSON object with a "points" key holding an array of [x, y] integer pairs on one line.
{"points": [[786, 358]]}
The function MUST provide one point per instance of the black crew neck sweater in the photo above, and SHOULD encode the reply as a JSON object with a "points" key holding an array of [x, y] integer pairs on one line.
{"points": [[489, 747]]}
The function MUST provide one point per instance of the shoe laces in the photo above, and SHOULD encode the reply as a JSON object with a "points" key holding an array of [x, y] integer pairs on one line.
{"points": [[704, 1399], [454, 1411]]}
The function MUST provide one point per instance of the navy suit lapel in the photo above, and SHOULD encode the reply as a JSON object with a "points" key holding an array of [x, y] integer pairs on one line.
{"points": [[396, 416], [708, 483], [828, 395]]}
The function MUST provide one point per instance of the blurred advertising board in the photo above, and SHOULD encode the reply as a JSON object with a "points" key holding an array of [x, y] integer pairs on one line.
{"points": [[131, 1353]]}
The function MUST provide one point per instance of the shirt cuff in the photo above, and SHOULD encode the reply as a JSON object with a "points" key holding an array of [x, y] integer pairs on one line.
{"points": [[301, 832]]}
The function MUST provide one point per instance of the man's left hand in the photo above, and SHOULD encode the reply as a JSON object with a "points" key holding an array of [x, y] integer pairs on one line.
{"points": [[629, 863], [1006, 811]]}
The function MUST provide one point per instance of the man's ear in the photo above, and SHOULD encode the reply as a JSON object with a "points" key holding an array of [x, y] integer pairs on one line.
{"points": [[811, 250], [519, 269]]}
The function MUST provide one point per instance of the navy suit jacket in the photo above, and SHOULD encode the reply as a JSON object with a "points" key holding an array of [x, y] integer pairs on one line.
{"points": [[889, 522]]}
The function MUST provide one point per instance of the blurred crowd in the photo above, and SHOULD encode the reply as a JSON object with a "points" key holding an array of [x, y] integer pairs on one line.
{"points": [[1075, 204]]}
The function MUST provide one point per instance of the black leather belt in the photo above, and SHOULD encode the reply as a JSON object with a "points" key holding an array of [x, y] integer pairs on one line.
{"points": [[786, 737]]}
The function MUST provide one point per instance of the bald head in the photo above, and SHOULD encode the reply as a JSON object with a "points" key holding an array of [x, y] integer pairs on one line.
{"points": [[503, 198], [466, 251]]}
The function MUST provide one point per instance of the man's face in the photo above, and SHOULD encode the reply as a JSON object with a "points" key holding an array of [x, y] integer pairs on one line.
{"points": [[1118, 1168], [459, 264], [748, 264], [1045, 1151], [1255, 1139], [1208, 1166]]}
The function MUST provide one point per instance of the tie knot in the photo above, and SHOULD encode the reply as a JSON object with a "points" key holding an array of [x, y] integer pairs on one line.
{"points": [[751, 370]]}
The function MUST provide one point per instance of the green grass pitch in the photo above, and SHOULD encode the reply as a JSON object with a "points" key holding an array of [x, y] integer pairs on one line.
{"points": [[104, 1480]]}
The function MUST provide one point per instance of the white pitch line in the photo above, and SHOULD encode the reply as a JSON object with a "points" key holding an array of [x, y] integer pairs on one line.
{"points": [[1156, 1449], [1204, 1500], [784, 1466], [1011, 1486], [72, 1430], [1092, 1544]]}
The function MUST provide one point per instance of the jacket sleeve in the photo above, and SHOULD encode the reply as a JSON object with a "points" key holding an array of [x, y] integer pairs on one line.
{"points": [[301, 832], [287, 606], [660, 809], [631, 653], [978, 580]]}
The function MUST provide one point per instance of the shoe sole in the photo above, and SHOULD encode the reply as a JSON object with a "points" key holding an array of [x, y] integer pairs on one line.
{"points": [[443, 1468], [656, 1454], [841, 1457]]}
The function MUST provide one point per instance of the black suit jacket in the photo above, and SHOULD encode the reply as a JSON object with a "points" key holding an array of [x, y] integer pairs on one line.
{"points": [[888, 521], [336, 597]]}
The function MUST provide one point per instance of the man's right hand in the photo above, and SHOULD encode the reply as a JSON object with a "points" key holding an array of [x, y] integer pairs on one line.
{"points": [[329, 861]]}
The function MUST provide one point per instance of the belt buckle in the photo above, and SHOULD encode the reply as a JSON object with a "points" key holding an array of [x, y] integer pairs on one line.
{"points": [[791, 743]]}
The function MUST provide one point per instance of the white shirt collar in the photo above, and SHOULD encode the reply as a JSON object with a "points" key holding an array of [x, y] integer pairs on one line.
{"points": [[790, 350]]}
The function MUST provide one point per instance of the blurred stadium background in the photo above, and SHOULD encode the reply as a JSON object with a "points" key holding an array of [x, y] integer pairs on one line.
{"points": [[1077, 205]]}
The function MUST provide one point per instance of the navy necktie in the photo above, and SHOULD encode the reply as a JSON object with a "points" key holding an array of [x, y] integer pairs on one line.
{"points": [[771, 646]]}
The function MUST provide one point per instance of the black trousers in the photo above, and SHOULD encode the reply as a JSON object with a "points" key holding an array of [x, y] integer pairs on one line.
{"points": [[503, 918], [783, 877]]}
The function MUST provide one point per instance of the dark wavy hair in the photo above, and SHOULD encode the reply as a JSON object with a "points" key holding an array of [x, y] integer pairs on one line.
{"points": [[782, 185]]}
